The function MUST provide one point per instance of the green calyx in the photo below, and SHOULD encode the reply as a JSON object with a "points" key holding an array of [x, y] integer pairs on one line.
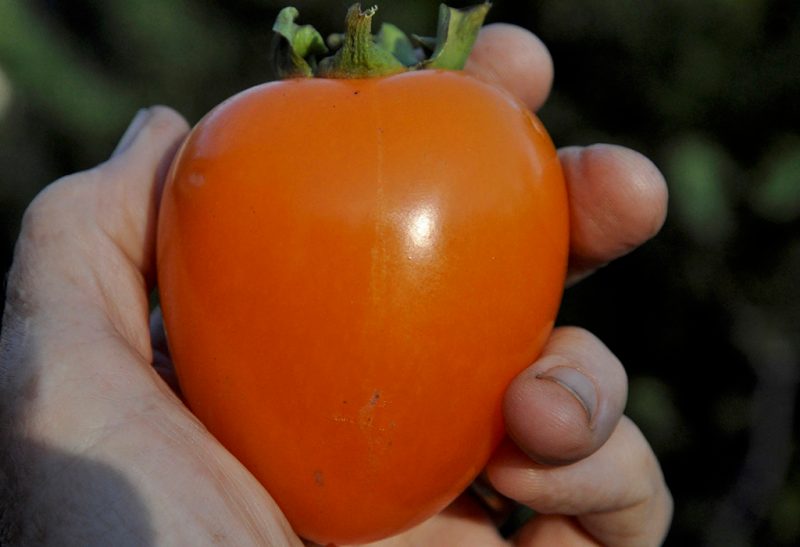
{"points": [[299, 51]]}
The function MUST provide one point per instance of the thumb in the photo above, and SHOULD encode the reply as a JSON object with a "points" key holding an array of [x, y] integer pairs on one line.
{"points": [[87, 241], [132, 181]]}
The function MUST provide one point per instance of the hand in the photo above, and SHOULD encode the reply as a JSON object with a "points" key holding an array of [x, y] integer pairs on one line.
{"points": [[97, 449]]}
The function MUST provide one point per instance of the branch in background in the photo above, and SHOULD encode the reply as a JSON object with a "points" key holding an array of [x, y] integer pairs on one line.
{"points": [[774, 359]]}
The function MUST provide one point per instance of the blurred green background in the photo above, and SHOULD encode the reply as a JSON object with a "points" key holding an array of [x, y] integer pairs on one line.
{"points": [[705, 317]]}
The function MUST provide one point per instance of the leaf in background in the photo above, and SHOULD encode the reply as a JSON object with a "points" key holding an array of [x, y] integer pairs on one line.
{"points": [[41, 60], [777, 195], [651, 404], [182, 46], [5, 94], [783, 520], [697, 171]]}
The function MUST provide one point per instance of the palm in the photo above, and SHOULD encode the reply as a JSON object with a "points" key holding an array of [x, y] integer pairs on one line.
{"points": [[200, 491]]}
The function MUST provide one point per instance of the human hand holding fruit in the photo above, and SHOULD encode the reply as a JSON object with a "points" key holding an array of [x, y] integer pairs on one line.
{"points": [[95, 376]]}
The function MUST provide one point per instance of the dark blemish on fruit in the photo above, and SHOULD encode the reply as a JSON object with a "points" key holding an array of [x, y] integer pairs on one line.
{"points": [[375, 398]]}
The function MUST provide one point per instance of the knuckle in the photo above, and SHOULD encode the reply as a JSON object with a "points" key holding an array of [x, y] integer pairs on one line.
{"points": [[548, 498]]}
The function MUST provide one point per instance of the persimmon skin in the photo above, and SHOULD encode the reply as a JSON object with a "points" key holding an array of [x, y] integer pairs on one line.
{"points": [[351, 273]]}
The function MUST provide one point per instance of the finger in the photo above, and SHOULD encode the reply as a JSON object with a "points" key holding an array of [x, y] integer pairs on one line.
{"points": [[554, 530], [139, 121], [514, 59], [566, 405], [618, 200], [133, 180], [618, 494]]}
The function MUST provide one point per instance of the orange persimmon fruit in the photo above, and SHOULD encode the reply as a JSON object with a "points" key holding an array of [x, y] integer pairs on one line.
{"points": [[352, 270]]}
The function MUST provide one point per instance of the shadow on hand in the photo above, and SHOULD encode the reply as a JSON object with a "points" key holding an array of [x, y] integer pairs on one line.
{"points": [[48, 497]]}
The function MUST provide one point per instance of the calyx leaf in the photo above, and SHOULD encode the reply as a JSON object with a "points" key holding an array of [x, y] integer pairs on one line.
{"points": [[295, 46], [455, 35], [359, 54]]}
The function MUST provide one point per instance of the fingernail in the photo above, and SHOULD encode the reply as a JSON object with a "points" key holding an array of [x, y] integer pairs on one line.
{"points": [[139, 121], [578, 385]]}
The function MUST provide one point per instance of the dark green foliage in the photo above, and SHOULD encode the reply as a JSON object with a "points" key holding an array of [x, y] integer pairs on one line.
{"points": [[706, 317]]}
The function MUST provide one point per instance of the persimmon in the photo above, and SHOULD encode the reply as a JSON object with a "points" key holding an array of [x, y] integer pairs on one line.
{"points": [[352, 269]]}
